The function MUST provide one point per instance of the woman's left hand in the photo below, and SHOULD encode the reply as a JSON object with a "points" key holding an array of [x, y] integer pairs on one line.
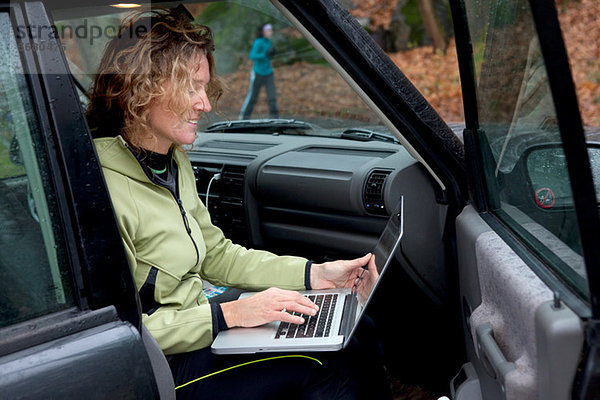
{"points": [[337, 274]]}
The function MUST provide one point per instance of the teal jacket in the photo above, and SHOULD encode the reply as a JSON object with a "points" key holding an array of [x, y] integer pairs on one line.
{"points": [[170, 263], [259, 54]]}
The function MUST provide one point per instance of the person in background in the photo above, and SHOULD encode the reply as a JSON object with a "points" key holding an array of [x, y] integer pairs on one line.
{"points": [[148, 96], [262, 73]]}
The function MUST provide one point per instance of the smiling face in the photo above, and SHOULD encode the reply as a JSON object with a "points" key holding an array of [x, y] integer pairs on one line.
{"points": [[169, 127], [152, 88]]}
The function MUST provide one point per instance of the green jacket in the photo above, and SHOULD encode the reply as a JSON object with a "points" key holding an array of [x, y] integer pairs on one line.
{"points": [[170, 262]]}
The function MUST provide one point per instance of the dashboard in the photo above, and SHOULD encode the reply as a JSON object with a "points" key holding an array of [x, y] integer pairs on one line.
{"points": [[322, 198]]}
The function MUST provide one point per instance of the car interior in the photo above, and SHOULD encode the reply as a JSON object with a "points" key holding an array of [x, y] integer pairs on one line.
{"points": [[320, 179]]}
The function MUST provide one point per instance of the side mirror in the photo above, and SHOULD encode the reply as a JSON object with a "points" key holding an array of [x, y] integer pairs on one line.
{"points": [[546, 170]]}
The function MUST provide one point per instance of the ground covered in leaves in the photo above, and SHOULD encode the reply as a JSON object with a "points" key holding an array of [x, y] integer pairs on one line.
{"points": [[581, 31]]}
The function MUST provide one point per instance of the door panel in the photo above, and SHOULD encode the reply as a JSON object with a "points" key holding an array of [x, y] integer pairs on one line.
{"points": [[500, 292], [109, 358]]}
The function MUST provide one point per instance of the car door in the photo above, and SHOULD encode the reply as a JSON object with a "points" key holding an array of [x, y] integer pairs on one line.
{"points": [[68, 312], [527, 243], [522, 217]]}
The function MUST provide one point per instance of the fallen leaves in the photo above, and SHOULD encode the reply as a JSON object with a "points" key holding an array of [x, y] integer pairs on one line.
{"points": [[435, 75], [581, 31], [379, 12]]}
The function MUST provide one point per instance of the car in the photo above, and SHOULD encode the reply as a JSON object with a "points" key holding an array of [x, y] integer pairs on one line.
{"points": [[494, 291]]}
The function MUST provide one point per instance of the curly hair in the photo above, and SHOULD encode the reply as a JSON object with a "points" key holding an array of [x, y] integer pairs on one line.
{"points": [[148, 51]]}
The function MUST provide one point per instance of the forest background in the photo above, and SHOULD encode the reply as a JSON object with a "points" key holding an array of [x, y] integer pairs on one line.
{"points": [[417, 36], [433, 54]]}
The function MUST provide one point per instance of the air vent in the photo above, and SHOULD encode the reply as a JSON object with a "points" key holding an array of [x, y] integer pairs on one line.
{"points": [[232, 184], [226, 198], [373, 192]]}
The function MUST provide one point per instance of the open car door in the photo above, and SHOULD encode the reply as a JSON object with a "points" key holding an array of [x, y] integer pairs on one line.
{"points": [[527, 245]]}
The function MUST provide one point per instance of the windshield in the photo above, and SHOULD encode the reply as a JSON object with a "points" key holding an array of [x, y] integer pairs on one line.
{"points": [[276, 82]]}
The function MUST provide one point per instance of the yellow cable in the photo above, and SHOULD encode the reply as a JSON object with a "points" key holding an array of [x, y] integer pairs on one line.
{"points": [[248, 363]]}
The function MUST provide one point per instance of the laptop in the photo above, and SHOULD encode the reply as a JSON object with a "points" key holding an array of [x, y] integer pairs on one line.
{"points": [[340, 310]]}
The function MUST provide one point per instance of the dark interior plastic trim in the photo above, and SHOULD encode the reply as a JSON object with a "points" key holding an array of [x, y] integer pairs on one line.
{"points": [[52, 326]]}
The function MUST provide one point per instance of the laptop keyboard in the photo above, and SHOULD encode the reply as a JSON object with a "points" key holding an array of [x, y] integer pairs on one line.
{"points": [[318, 325]]}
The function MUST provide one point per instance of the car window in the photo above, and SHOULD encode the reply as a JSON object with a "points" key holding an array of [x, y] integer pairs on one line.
{"points": [[297, 91], [524, 163], [33, 279]]}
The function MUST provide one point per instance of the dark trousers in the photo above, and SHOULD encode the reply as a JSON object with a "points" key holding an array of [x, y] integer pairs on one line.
{"points": [[355, 372], [256, 83]]}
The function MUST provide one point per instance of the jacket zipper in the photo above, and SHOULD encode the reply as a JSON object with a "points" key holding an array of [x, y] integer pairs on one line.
{"points": [[187, 225]]}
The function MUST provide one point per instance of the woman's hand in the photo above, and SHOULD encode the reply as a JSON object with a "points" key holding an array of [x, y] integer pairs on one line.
{"points": [[368, 279], [337, 274], [270, 305]]}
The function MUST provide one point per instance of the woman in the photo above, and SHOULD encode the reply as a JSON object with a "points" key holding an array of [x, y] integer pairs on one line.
{"points": [[262, 73], [150, 92]]}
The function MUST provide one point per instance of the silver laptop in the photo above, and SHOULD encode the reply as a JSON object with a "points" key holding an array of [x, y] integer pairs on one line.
{"points": [[340, 310]]}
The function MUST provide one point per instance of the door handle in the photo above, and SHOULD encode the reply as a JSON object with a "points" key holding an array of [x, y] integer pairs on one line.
{"points": [[492, 358]]}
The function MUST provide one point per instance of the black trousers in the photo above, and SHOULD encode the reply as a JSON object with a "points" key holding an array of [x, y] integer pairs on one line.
{"points": [[256, 83], [355, 372]]}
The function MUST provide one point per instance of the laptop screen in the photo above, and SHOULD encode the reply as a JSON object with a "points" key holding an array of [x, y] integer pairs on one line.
{"points": [[382, 253]]}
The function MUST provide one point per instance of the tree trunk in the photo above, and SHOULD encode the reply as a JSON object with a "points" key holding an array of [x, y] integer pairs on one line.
{"points": [[399, 31], [431, 25]]}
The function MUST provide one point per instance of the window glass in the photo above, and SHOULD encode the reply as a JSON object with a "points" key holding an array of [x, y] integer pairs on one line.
{"points": [[270, 70], [33, 280], [524, 162], [421, 44], [581, 33]]}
